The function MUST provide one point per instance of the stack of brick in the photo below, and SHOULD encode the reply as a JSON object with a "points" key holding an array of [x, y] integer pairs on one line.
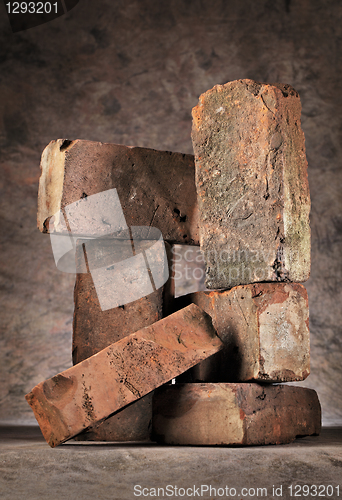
{"points": [[253, 196], [247, 204], [155, 188]]}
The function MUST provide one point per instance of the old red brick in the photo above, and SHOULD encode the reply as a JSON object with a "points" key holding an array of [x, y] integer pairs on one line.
{"points": [[95, 329], [265, 331], [125, 371], [252, 185], [155, 188], [234, 414], [132, 423]]}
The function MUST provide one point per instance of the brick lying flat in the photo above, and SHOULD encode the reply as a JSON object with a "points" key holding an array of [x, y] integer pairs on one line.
{"points": [[154, 187], [122, 373], [94, 330], [234, 414], [265, 331], [252, 185]]}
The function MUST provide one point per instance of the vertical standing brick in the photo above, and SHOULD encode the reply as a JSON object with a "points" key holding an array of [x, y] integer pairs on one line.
{"points": [[155, 188], [234, 414], [122, 373], [265, 331], [252, 185], [95, 329]]}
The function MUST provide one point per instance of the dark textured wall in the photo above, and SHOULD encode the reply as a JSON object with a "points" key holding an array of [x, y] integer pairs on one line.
{"points": [[129, 71]]}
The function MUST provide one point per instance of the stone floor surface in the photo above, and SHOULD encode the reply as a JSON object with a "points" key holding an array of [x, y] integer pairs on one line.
{"points": [[30, 469]]}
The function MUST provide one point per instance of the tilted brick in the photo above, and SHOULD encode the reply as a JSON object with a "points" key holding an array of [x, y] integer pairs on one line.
{"points": [[252, 184], [125, 371], [233, 414]]}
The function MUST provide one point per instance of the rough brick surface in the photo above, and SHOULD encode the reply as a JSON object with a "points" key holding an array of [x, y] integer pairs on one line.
{"points": [[122, 373], [234, 414], [94, 329], [252, 185], [155, 188], [132, 423], [265, 331]]}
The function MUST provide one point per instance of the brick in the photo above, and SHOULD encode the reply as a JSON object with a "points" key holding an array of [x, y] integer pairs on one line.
{"points": [[252, 184], [125, 371], [154, 187], [132, 423], [95, 329], [265, 331], [234, 414]]}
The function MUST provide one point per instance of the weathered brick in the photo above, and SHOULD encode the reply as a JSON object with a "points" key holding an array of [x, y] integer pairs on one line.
{"points": [[252, 185], [265, 331], [234, 414], [132, 423], [125, 371], [95, 329], [154, 187]]}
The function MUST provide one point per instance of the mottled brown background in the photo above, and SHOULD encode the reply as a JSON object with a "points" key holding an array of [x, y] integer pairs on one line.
{"points": [[129, 71]]}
